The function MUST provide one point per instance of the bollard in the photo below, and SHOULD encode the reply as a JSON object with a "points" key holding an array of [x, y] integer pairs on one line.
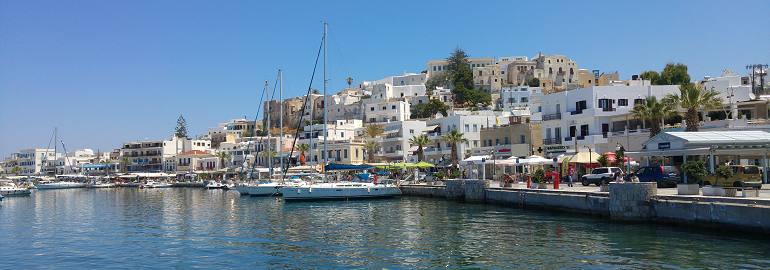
{"points": [[529, 181], [556, 181]]}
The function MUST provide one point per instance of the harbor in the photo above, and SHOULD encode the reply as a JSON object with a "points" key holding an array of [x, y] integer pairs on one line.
{"points": [[129, 228]]}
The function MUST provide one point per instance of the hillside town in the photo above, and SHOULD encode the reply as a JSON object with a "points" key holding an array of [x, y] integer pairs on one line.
{"points": [[456, 109]]}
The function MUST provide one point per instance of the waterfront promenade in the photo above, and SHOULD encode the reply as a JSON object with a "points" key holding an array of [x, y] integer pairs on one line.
{"points": [[634, 202]]}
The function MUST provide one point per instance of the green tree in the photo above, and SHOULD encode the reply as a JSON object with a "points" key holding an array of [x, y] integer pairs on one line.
{"points": [[181, 127], [603, 160], [653, 112], [459, 70], [15, 170], [124, 162], [695, 171], [427, 110], [674, 74], [454, 137], [421, 141], [223, 156], [349, 80], [373, 131], [691, 99], [533, 82], [650, 75], [371, 148], [461, 78], [302, 148]]}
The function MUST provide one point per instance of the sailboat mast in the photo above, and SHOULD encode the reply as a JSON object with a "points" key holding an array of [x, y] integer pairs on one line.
{"points": [[267, 153], [326, 103], [280, 104], [55, 144]]}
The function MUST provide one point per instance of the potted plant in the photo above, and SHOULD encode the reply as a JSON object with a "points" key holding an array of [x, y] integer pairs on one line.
{"points": [[722, 171], [695, 170], [538, 179]]}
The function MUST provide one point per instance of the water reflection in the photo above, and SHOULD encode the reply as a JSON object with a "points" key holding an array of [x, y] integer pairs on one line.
{"points": [[186, 227]]}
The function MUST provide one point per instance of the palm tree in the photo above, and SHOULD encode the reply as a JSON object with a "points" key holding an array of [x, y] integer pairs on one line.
{"points": [[691, 99], [302, 148], [453, 138], [373, 131], [349, 80], [653, 112], [371, 148], [124, 162], [421, 141], [223, 155]]}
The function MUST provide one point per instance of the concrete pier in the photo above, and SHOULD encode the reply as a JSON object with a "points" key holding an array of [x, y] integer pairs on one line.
{"points": [[637, 202]]}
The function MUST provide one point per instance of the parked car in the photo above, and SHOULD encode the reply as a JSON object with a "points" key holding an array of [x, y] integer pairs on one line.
{"points": [[743, 176], [601, 175], [665, 176]]}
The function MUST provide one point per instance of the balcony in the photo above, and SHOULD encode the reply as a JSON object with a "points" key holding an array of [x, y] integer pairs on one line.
{"points": [[552, 116], [551, 141], [576, 112]]}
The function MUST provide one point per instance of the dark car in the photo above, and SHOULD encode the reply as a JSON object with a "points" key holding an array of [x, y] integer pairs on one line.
{"points": [[665, 176]]}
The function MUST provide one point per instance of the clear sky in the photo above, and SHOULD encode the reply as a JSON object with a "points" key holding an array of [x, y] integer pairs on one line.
{"points": [[107, 72]]}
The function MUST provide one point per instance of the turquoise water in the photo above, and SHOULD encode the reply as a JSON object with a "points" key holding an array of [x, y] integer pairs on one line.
{"points": [[184, 228]]}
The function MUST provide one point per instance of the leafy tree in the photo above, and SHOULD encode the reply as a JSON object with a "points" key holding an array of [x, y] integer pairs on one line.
{"points": [[454, 137], [302, 148], [674, 74], [603, 160], [16, 170], [724, 171], [421, 141], [534, 82], [430, 109], [460, 76], [181, 127], [124, 162], [695, 171], [650, 75], [349, 80], [692, 98], [538, 176], [619, 155], [653, 112], [459, 70]]}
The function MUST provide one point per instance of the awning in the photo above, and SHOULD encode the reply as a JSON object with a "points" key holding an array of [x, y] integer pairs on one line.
{"points": [[347, 167], [476, 159]]}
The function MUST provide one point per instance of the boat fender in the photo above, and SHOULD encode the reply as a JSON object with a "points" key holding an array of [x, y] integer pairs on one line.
{"points": [[369, 189], [309, 190]]}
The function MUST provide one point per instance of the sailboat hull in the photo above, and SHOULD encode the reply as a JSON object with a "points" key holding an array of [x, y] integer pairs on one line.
{"points": [[340, 192]]}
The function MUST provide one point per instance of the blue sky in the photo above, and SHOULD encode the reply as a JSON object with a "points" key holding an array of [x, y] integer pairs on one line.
{"points": [[106, 72]]}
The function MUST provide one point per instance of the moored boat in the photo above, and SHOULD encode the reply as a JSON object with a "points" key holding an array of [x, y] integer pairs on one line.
{"points": [[9, 189], [153, 184], [60, 185], [340, 191]]}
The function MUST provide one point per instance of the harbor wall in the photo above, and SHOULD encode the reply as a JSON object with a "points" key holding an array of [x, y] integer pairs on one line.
{"points": [[635, 202]]}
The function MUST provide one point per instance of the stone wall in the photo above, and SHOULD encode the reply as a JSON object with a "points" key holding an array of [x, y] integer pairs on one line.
{"points": [[587, 203], [748, 218], [631, 201]]}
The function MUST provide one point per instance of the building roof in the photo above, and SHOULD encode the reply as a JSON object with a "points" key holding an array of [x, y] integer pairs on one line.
{"points": [[704, 137]]}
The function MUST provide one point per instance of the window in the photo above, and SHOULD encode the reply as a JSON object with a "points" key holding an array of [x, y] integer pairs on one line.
{"points": [[384, 108], [467, 128], [524, 99], [475, 143], [638, 101], [411, 131], [497, 141], [393, 118], [371, 109], [345, 153], [394, 106], [583, 130], [511, 100], [522, 139], [475, 128], [623, 102]]}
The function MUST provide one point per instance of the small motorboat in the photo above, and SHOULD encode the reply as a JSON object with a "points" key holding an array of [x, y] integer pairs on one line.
{"points": [[10, 189], [153, 184], [216, 185], [102, 185]]}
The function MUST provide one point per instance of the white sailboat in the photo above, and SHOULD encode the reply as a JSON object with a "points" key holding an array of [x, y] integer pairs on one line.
{"points": [[338, 190], [58, 184], [153, 184]]}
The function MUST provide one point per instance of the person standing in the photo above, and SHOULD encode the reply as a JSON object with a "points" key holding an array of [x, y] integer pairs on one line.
{"points": [[570, 174]]}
